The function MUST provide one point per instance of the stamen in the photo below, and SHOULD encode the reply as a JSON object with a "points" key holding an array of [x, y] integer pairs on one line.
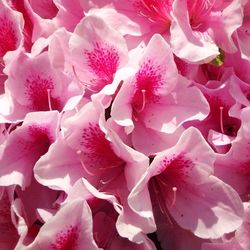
{"points": [[143, 91], [110, 167], [8, 131], [134, 117], [161, 180], [2, 64], [174, 189], [84, 84], [84, 167], [221, 120], [105, 182], [199, 11], [49, 99], [161, 202]]}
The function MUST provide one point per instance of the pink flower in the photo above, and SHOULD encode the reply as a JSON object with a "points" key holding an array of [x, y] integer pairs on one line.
{"points": [[94, 152], [181, 184], [97, 54], [60, 233], [156, 87], [36, 86], [220, 127], [233, 167], [241, 239], [25, 145], [107, 212], [124, 124], [200, 28]]}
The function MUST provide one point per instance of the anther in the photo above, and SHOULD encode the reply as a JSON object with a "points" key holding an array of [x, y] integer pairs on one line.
{"points": [[174, 189], [221, 120]]}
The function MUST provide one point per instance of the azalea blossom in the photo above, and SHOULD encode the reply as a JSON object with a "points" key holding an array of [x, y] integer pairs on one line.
{"points": [[124, 124]]}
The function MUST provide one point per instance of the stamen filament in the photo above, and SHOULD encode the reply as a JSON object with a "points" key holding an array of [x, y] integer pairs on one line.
{"points": [[49, 99], [161, 202], [84, 167], [104, 182], [84, 84], [143, 91]]}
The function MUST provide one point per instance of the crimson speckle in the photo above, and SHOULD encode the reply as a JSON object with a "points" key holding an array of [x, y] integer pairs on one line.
{"points": [[172, 175], [103, 62], [98, 151], [244, 168], [37, 87], [176, 168], [41, 138], [67, 239], [8, 36], [149, 79]]}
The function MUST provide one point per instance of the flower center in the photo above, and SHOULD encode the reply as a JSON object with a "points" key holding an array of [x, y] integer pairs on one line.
{"points": [[8, 36], [103, 61], [38, 91], [199, 10], [67, 239], [148, 81], [97, 155], [156, 11]]}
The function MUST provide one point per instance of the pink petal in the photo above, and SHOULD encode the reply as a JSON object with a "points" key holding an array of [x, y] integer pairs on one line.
{"points": [[56, 172]]}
